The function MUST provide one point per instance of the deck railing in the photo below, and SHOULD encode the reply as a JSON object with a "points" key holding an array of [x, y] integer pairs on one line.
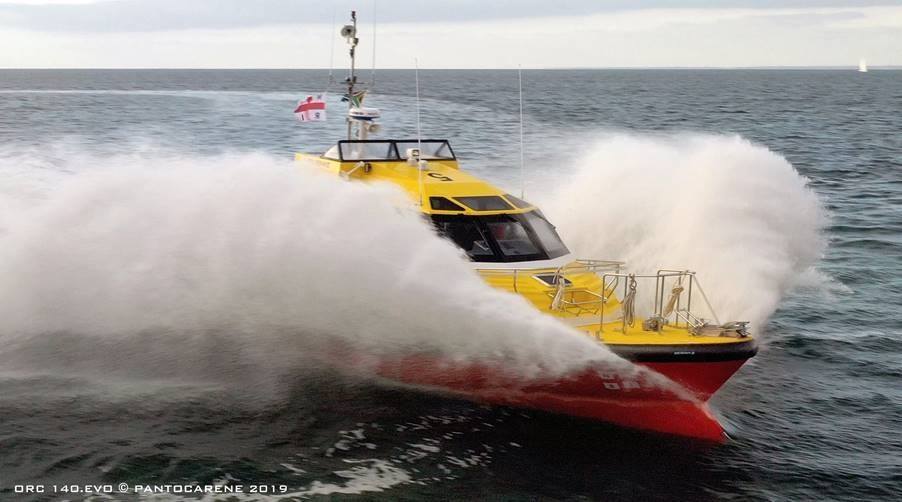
{"points": [[580, 266], [674, 311], [669, 305]]}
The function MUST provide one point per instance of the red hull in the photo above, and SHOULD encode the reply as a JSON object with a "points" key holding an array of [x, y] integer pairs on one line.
{"points": [[638, 401], [702, 378]]}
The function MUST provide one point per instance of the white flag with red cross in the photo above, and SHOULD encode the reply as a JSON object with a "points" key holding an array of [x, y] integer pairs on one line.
{"points": [[311, 109]]}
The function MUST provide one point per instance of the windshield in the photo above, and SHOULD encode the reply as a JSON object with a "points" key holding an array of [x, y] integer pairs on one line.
{"points": [[503, 237], [391, 150], [370, 150], [429, 150]]}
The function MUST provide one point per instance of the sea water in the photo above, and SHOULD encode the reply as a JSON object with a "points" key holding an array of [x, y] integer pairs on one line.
{"points": [[167, 274]]}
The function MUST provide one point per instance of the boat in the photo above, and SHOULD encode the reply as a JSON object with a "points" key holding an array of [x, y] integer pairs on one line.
{"points": [[862, 66], [514, 247]]}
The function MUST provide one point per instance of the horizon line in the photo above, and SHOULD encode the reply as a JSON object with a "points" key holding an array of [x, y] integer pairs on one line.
{"points": [[569, 68]]}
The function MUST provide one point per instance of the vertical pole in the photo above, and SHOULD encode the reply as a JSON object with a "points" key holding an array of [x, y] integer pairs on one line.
{"points": [[522, 162], [689, 299], [332, 51], [352, 78], [601, 309], [416, 64]]}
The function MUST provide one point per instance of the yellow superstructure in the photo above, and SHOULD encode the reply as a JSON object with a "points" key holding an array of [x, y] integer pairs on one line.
{"points": [[587, 294], [440, 178]]}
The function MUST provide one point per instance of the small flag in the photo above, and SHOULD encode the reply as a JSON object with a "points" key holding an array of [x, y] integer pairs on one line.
{"points": [[356, 99], [310, 109]]}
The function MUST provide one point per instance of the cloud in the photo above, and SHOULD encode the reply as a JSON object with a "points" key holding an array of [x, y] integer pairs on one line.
{"points": [[632, 38], [48, 2], [165, 15], [651, 36]]}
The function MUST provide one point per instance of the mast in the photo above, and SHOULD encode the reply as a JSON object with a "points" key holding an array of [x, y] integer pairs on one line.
{"points": [[364, 118], [350, 34]]}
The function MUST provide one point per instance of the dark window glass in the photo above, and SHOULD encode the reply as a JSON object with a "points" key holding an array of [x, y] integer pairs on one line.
{"points": [[502, 237], [484, 203], [513, 239], [518, 203], [546, 234], [468, 235], [443, 204]]}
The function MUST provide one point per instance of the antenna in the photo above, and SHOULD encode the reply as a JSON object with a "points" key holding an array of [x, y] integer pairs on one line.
{"points": [[332, 49], [416, 73], [416, 76], [522, 162]]}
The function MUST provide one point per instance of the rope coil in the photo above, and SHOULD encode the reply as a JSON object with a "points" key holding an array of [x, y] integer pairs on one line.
{"points": [[629, 303], [674, 297]]}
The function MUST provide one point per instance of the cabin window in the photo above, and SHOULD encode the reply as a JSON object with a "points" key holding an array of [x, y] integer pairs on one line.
{"points": [[469, 236], [484, 203], [502, 237], [512, 238], [546, 233], [444, 204]]}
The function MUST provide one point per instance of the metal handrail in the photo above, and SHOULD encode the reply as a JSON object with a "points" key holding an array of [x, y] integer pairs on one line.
{"points": [[611, 274], [661, 277], [577, 267]]}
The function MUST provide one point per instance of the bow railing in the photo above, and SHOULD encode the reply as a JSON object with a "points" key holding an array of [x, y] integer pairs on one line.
{"points": [[568, 295]]}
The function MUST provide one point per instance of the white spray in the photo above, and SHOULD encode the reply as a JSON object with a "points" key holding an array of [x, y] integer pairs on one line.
{"points": [[737, 213], [258, 258]]}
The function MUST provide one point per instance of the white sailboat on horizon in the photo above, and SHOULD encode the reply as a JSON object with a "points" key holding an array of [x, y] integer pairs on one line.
{"points": [[862, 65]]}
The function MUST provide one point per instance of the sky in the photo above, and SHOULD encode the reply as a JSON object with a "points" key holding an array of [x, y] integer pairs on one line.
{"points": [[449, 33]]}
